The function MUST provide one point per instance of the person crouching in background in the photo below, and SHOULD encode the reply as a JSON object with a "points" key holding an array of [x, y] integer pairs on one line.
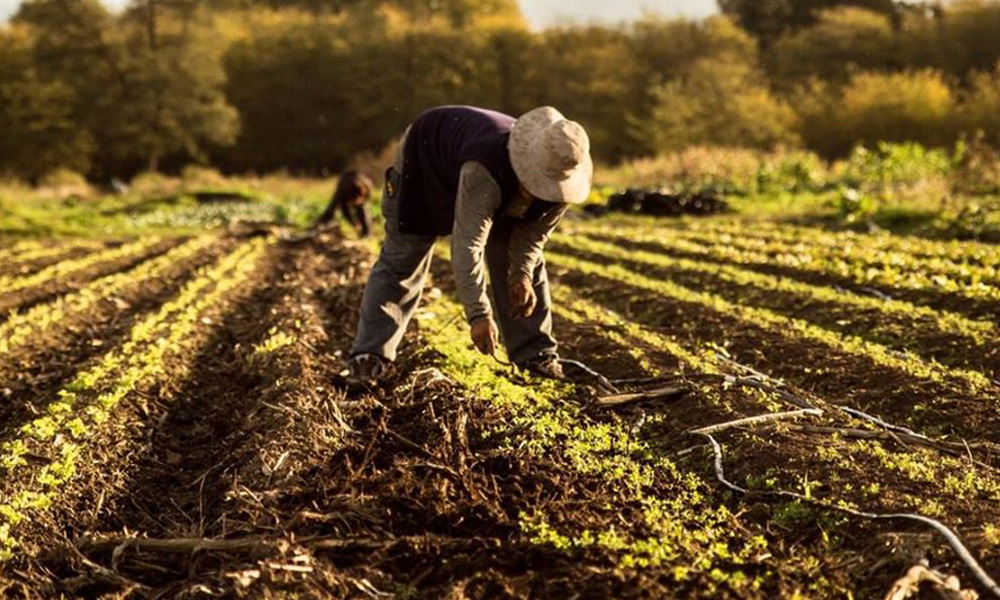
{"points": [[352, 195]]}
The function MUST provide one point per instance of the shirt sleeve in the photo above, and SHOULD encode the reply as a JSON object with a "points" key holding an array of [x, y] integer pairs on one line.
{"points": [[527, 242], [478, 200]]}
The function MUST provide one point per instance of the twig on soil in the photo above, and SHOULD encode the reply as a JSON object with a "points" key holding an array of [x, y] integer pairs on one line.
{"points": [[877, 421], [644, 380], [901, 434], [103, 573], [953, 540], [768, 418], [947, 586], [665, 393], [174, 546], [868, 434], [256, 544], [602, 382]]}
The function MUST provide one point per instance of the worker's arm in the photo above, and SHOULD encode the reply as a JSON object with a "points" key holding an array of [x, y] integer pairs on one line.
{"points": [[477, 202], [527, 242], [327, 216]]}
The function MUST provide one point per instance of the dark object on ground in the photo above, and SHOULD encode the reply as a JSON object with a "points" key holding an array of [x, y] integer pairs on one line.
{"points": [[367, 371], [546, 366], [660, 203], [220, 196], [353, 192]]}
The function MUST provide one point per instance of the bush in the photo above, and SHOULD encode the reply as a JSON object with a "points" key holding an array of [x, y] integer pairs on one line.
{"points": [[872, 181], [980, 107], [719, 103], [201, 176], [728, 170], [63, 178], [796, 171], [151, 182], [894, 166], [876, 107], [977, 166], [66, 183]]}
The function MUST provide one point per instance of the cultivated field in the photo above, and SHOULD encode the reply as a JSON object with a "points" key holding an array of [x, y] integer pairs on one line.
{"points": [[173, 421]]}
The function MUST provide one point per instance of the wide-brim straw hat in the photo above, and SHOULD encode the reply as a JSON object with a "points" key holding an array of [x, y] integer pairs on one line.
{"points": [[551, 156]]}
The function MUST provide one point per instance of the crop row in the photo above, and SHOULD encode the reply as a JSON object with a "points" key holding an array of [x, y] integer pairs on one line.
{"points": [[681, 528], [21, 327], [15, 250], [979, 331], [953, 250], [88, 401], [922, 479], [904, 361], [68, 267], [53, 251], [861, 259], [830, 264]]}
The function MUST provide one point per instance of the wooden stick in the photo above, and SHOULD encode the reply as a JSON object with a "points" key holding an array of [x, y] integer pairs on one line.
{"points": [[768, 418], [951, 448], [257, 543], [175, 545], [665, 393]]}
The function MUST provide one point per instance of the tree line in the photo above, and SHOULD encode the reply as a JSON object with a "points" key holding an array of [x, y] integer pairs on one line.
{"points": [[307, 85]]}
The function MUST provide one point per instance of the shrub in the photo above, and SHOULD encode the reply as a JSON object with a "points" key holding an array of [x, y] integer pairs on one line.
{"points": [[731, 170], [151, 182], [874, 107], [980, 107], [719, 103], [201, 175]]}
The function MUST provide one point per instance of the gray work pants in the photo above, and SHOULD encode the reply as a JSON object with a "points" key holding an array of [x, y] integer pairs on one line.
{"points": [[397, 281]]}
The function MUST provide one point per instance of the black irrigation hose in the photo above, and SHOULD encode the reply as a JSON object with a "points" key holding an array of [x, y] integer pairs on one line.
{"points": [[953, 540]]}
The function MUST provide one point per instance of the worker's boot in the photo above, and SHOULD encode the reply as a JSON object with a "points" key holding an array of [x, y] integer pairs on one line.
{"points": [[545, 365], [367, 371]]}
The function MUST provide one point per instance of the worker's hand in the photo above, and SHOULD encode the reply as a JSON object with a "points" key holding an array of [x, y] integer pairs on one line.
{"points": [[522, 298], [485, 336]]}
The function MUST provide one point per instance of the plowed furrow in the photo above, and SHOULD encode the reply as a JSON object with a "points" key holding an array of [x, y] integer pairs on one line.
{"points": [[33, 261], [61, 278], [786, 349], [41, 349], [971, 306], [947, 338]]}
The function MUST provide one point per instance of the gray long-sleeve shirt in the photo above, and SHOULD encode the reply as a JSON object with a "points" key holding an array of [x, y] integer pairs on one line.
{"points": [[476, 207]]}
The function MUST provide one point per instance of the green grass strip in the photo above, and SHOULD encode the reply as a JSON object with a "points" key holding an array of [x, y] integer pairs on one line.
{"points": [[906, 362], [981, 332]]}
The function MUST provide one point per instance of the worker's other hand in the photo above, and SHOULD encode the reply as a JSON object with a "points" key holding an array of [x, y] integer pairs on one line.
{"points": [[485, 336], [522, 298]]}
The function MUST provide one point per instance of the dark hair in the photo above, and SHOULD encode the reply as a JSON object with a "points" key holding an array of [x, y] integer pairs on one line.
{"points": [[351, 187]]}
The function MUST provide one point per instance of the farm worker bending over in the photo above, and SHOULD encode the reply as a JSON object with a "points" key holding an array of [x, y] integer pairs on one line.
{"points": [[351, 197], [498, 186]]}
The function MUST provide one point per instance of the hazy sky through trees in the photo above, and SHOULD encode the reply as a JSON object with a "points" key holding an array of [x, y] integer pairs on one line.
{"points": [[543, 13]]}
